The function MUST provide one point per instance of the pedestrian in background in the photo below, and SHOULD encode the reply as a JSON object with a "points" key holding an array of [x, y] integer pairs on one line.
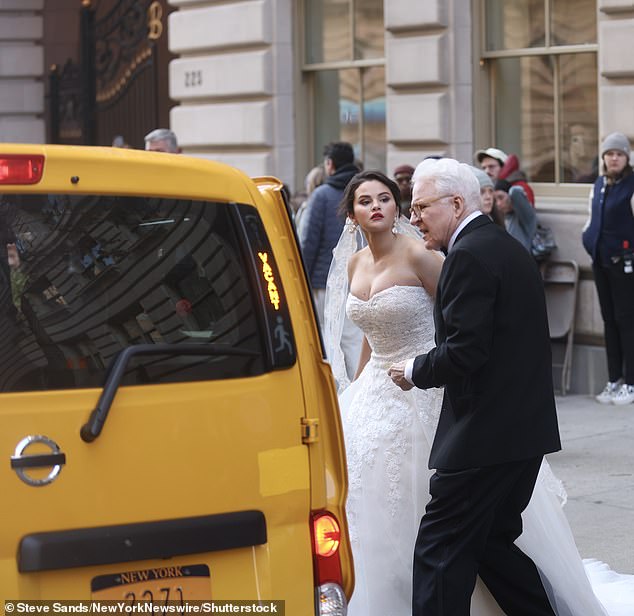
{"points": [[520, 219], [499, 165], [487, 197], [314, 178], [608, 237], [162, 140], [324, 225], [118, 141], [320, 233], [403, 177]]}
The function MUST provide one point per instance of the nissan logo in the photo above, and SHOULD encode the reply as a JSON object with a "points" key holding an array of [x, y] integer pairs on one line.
{"points": [[22, 462]]}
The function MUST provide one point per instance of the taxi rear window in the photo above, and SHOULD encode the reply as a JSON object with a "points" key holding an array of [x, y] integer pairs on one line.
{"points": [[84, 277]]}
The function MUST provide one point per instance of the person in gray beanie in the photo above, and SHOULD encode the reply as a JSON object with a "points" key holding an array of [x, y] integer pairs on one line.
{"points": [[483, 178], [608, 237], [487, 197], [617, 143]]}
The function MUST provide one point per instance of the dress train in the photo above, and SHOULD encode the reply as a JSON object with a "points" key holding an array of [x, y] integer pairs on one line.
{"points": [[388, 434]]}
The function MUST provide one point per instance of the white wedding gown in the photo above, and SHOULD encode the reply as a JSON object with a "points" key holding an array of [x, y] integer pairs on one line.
{"points": [[388, 434]]}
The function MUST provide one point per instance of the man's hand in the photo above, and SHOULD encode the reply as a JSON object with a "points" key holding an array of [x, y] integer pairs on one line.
{"points": [[397, 373]]}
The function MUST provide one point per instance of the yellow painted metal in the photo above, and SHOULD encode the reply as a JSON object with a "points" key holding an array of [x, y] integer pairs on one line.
{"points": [[329, 480], [177, 450]]}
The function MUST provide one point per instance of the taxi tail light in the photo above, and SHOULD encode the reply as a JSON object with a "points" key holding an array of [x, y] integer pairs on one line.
{"points": [[326, 536], [21, 168]]}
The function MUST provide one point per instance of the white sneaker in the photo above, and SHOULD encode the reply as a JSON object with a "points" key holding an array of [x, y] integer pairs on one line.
{"points": [[609, 392], [624, 395]]}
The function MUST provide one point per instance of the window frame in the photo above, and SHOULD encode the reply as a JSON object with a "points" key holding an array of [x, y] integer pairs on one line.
{"points": [[309, 70], [485, 102]]}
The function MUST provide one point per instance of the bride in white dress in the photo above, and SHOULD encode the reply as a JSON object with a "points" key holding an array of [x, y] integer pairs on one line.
{"points": [[388, 432]]}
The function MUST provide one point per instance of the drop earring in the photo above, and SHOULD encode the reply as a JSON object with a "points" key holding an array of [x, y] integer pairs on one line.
{"points": [[394, 226]]}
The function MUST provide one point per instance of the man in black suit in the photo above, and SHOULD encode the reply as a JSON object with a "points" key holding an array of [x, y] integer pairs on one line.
{"points": [[498, 418]]}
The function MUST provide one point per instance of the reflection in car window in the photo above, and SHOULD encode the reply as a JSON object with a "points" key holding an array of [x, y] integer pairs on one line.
{"points": [[83, 277]]}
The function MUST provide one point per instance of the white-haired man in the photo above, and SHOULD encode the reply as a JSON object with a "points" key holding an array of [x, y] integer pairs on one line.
{"points": [[498, 417], [162, 140]]}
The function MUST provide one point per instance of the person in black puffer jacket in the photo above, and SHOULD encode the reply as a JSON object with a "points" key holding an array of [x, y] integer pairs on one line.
{"points": [[320, 233], [324, 225], [608, 238]]}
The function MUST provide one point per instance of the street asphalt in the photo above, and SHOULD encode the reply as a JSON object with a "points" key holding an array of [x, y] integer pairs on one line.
{"points": [[596, 465]]}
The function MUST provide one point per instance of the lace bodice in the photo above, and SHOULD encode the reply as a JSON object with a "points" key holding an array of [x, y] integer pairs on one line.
{"points": [[398, 322], [378, 417]]}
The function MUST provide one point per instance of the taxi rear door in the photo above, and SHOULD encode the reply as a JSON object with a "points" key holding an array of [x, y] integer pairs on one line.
{"points": [[172, 472]]}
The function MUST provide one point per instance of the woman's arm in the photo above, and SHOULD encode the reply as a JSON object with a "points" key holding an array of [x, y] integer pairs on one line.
{"points": [[364, 357], [523, 209]]}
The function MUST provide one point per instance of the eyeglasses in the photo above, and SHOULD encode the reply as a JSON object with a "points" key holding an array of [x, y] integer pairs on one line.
{"points": [[418, 206]]}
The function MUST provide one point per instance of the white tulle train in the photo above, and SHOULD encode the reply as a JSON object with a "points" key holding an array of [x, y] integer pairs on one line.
{"points": [[388, 434]]}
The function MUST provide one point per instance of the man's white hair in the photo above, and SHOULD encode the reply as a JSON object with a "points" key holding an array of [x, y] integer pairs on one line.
{"points": [[451, 177], [163, 134]]}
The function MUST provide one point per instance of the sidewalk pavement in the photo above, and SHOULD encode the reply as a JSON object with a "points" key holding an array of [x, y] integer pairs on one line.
{"points": [[596, 465]]}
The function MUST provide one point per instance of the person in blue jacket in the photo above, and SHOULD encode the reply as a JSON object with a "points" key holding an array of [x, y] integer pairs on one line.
{"points": [[320, 233], [608, 238]]}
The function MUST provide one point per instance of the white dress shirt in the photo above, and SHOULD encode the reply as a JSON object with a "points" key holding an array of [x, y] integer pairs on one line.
{"points": [[409, 366]]}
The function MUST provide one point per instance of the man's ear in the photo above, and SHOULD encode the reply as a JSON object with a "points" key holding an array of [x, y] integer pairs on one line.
{"points": [[458, 204]]}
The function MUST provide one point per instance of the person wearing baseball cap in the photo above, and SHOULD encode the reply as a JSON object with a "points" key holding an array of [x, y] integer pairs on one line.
{"points": [[608, 237], [491, 161], [403, 177], [499, 165]]}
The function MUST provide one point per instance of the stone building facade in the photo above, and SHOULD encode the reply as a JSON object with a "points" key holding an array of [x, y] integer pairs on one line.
{"points": [[21, 71], [263, 84]]}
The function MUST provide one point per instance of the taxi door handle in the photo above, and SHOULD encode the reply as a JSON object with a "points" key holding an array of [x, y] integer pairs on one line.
{"points": [[38, 460]]}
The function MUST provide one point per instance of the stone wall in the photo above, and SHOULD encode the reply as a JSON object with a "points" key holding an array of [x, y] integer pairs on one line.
{"points": [[233, 80], [21, 72], [429, 80], [616, 67]]}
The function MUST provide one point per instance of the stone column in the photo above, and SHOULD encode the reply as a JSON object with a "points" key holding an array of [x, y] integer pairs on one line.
{"points": [[429, 82], [616, 67], [233, 81], [21, 71]]}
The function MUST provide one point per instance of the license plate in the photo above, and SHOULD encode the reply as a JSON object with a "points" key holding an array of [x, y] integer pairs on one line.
{"points": [[160, 584]]}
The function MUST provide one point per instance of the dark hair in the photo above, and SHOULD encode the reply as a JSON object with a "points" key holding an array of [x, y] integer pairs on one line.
{"points": [[496, 216], [502, 185], [346, 207], [340, 153]]}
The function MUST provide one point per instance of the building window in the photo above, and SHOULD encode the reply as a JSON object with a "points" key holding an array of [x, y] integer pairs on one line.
{"points": [[541, 60], [345, 63]]}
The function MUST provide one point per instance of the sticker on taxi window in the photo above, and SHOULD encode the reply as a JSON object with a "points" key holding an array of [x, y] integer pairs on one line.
{"points": [[267, 272]]}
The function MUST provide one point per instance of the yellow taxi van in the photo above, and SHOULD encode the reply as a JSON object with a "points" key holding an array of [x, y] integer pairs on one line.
{"points": [[169, 425]]}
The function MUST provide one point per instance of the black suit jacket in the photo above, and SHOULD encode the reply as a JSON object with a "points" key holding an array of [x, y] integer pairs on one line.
{"points": [[492, 354]]}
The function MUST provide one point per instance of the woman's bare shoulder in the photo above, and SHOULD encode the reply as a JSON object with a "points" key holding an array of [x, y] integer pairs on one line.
{"points": [[426, 263], [355, 259], [417, 250], [359, 255]]}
